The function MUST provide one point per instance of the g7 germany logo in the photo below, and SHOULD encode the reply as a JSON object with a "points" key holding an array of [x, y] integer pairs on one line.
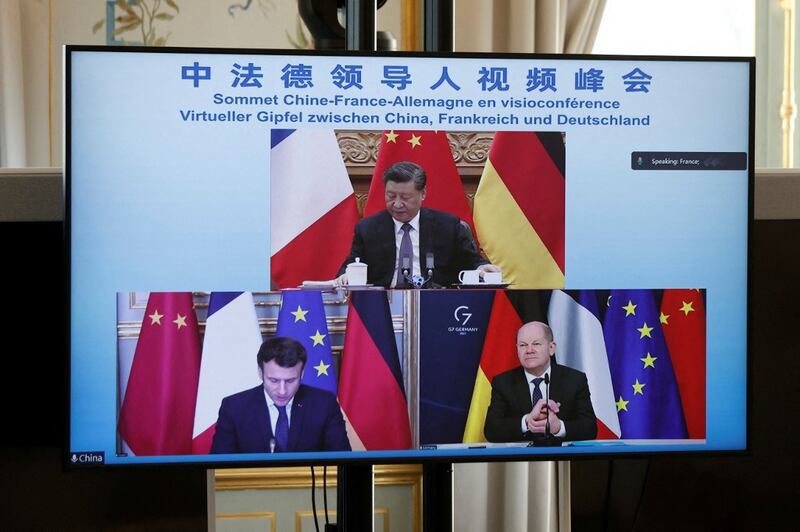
{"points": [[461, 313]]}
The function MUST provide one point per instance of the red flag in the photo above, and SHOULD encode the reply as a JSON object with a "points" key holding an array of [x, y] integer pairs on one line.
{"points": [[371, 390], [683, 320], [157, 414], [430, 150]]}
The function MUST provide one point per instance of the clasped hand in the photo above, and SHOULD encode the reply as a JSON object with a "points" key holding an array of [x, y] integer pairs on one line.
{"points": [[538, 417]]}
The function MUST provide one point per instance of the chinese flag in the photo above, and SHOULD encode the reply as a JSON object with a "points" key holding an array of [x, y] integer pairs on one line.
{"points": [[683, 319], [157, 414], [430, 150]]}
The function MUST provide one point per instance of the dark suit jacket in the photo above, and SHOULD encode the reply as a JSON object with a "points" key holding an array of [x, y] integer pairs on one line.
{"points": [[439, 232], [244, 426], [511, 399]]}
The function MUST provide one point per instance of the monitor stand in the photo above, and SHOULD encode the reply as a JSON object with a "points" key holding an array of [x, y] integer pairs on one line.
{"points": [[437, 497], [355, 502]]}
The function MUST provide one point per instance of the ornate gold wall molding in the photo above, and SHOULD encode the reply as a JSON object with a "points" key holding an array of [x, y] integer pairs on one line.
{"points": [[298, 519], [360, 152], [300, 477], [270, 517], [129, 329], [280, 478]]}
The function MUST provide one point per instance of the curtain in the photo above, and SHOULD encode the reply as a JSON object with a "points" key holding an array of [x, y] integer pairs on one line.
{"points": [[543, 26], [516, 497], [511, 497], [777, 75], [12, 96]]}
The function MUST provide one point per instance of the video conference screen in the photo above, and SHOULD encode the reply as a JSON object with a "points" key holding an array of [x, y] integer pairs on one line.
{"points": [[292, 257]]}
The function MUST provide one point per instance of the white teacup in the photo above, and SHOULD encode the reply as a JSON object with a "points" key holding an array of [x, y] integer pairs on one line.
{"points": [[356, 273], [493, 277], [469, 276]]}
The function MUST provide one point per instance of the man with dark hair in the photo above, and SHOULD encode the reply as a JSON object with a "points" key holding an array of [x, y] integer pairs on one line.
{"points": [[281, 415], [405, 233], [519, 409]]}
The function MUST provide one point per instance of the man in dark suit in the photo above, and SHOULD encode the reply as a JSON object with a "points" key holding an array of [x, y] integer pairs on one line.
{"points": [[519, 409], [405, 229], [281, 415]]}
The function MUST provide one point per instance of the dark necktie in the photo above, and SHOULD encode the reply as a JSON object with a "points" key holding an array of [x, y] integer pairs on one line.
{"points": [[405, 256], [282, 429], [537, 393]]}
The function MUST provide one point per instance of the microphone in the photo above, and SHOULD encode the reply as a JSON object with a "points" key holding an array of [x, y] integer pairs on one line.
{"points": [[429, 265], [547, 405], [406, 269], [417, 281], [548, 440], [272, 445]]}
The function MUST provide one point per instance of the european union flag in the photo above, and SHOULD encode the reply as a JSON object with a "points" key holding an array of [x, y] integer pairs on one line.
{"points": [[302, 317], [645, 391]]}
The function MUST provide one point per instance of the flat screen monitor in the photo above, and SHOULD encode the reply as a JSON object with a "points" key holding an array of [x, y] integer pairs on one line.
{"points": [[280, 257]]}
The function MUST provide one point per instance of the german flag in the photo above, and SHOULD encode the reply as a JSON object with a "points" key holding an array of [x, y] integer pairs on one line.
{"points": [[510, 310], [371, 391], [519, 208]]}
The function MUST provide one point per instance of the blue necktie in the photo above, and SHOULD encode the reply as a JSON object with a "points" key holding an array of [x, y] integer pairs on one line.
{"points": [[406, 252], [282, 429], [537, 393]]}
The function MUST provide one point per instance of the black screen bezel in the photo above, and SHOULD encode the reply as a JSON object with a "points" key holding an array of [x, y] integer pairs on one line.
{"points": [[316, 459]]}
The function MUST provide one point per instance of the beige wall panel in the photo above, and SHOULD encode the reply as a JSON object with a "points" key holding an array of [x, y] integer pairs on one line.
{"points": [[201, 23], [285, 492], [246, 522]]}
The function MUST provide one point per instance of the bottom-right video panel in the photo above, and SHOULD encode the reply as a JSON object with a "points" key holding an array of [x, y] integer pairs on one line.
{"points": [[592, 370]]}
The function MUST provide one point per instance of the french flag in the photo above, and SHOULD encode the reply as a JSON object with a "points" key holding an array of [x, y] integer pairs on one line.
{"points": [[313, 206], [228, 364], [575, 320]]}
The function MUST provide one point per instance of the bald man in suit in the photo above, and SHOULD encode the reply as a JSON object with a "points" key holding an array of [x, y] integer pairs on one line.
{"points": [[519, 409]]}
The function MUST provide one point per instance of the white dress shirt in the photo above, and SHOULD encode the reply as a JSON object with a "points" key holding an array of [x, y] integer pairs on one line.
{"points": [[543, 389], [398, 238], [273, 411]]}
